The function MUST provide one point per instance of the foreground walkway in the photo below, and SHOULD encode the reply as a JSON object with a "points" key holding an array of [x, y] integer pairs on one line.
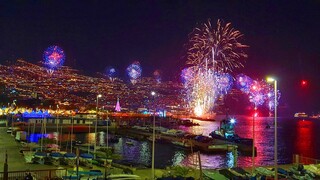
{"points": [[16, 161]]}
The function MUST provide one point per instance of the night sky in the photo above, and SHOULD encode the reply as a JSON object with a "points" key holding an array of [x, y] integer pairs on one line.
{"points": [[283, 37]]}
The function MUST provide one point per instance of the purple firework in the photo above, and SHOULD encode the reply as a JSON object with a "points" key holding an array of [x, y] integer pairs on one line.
{"points": [[243, 83], [224, 82], [186, 74], [134, 71], [110, 72], [53, 57]]}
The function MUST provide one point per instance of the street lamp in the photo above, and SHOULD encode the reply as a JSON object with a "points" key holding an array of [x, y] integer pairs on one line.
{"points": [[253, 136], [153, 134], [269, 79], [95, 127]]}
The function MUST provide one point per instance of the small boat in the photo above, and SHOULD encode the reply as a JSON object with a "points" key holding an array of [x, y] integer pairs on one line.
{"points": [[316, 116], [55, 157], [70, 159], [300, 115], [86, 159], [39, 157], [214, 175], [28, 156], [222, 147], [264, 171], [130, 143], [123, 176], [174, 132], [179, 143]]}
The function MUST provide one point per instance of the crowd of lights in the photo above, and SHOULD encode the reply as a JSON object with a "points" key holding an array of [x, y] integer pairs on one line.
{"points": [[134, 71], [36, 114], [212, 52], [53, 57]]}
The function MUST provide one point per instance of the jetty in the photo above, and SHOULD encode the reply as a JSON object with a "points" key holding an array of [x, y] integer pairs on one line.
{"points": [[203, 144]]}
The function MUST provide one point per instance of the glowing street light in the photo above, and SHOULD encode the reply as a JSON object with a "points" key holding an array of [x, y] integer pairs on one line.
{"points": [[253, 136], [95, 127], [153, 134], [269, 79]]}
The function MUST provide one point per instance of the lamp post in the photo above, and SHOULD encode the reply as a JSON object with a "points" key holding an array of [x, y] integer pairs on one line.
{"points": [[253, 137], [275, 127], [95, 127], [153, 135]]}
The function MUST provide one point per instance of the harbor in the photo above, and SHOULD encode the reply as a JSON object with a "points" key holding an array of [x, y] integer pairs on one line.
{"points": [[136, 139]]}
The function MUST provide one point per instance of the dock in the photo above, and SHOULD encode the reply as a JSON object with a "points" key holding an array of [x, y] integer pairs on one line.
{"points": [[208, 146]]}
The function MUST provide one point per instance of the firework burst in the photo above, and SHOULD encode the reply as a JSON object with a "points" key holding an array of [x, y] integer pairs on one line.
{"points": [[53, 58], [110, 73], [200, 89], [134, 71], [212, 52], [218, 44], [259, 92]]}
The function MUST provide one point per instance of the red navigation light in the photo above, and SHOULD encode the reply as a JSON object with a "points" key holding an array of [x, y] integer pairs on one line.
{"points": [[304, 83]]}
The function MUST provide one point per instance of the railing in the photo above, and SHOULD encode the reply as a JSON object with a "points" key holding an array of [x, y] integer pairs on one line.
{"points": [[298, 159], [47, 174]]}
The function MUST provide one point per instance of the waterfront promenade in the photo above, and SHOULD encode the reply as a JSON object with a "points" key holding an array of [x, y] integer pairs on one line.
{"points": [[16, 161]]}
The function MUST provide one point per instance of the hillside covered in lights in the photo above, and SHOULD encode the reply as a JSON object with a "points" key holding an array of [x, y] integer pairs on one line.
{"points": [[33, 86]]}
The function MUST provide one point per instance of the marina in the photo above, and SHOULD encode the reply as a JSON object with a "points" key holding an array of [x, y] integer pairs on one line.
{"points": [[127, 153]]}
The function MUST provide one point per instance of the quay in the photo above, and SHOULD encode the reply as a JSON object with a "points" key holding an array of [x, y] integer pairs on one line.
{"points": [[18, 167], [209, 145]]}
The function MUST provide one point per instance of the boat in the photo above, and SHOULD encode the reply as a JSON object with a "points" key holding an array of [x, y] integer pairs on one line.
{"points": [[130, 143], [315, 116], [123, 176], [55, 158], [300, 115], [183, 143], [70, 159], [28, 156], [222, 147], [226, 133], [91, 174], [174, 132], [86, 159], [214, 175], [39, 157]]}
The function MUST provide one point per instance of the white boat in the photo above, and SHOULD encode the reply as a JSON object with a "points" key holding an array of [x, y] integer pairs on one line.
{"points": [[130, 143], [174, 132], [300, 115], [28, 156]]}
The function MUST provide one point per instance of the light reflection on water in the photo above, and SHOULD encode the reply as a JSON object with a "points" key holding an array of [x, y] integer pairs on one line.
{"points": [[294, 137]]}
